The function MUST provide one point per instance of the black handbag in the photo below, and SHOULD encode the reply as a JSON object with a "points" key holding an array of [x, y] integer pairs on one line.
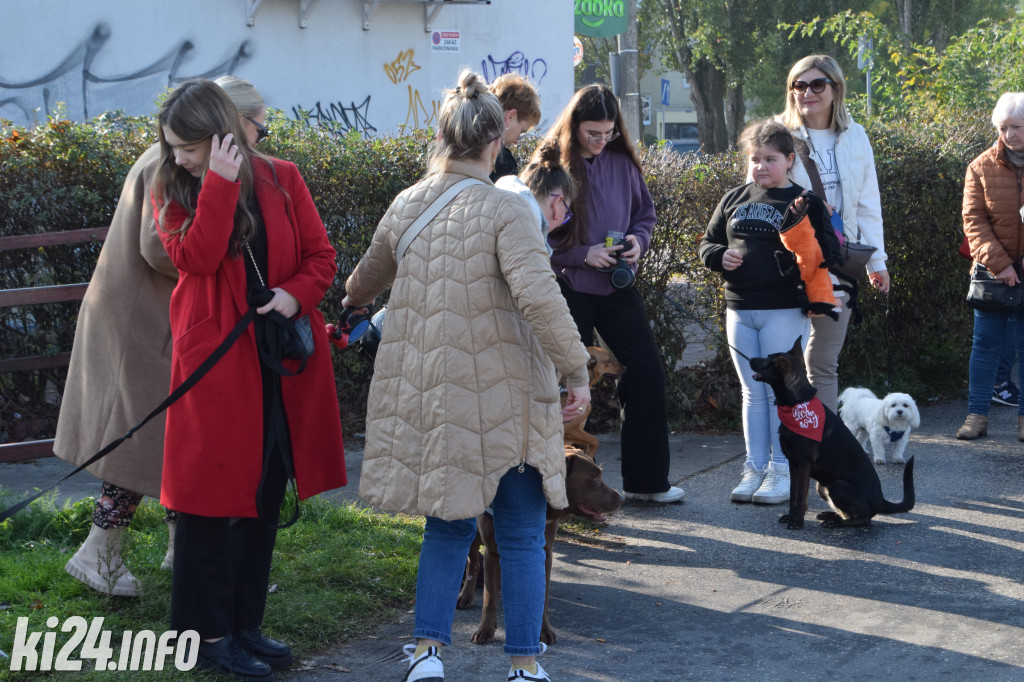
{"points": [[298, 339], [990, 295]]}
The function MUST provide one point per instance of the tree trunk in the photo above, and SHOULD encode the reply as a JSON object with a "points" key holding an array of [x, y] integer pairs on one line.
{"points": [[707, 90], [735, 112]]}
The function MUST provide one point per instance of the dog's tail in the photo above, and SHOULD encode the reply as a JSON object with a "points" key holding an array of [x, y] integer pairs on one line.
{"points": [[908, 493]]}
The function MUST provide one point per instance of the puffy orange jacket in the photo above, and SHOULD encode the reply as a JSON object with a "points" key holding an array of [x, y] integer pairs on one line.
{"points": [[993, 198]]}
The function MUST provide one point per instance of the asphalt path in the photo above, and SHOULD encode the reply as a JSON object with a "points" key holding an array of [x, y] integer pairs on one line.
{"points": [[713, 590]]}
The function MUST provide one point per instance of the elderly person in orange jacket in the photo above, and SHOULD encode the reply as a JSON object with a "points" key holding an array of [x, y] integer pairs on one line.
{"points": [[993, 205]]}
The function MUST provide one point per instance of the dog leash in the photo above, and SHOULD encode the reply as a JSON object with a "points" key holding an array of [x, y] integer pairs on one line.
{"points": [[684, 311], [181, 390]]}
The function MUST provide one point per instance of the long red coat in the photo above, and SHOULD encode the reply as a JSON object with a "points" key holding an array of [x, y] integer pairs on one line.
{"points": [[213, 450]]}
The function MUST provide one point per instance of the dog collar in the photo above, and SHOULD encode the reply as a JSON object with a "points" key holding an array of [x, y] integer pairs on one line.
{"points": [[893, 435], [806, 419]]}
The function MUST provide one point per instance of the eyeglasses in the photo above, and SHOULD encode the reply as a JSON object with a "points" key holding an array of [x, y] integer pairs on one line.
{"points": [[262, 132], [568, 213], [817, 85], [594, 138]]}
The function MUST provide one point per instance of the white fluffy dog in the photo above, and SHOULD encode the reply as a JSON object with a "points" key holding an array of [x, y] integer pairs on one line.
{"points": [[877, 422]]}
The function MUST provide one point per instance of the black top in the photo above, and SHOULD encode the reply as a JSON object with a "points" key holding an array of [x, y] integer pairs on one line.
{"points": [[505, 164], [748, 219]]}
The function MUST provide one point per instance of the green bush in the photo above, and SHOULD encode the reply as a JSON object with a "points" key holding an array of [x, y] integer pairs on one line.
{"points": [[68, 175]]}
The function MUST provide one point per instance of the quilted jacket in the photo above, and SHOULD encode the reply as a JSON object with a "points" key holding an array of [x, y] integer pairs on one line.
{"points": [[465, 384], [992, 204]]}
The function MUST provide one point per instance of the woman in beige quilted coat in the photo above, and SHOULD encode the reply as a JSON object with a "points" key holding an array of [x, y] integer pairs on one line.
{"points": [[463, 410]]}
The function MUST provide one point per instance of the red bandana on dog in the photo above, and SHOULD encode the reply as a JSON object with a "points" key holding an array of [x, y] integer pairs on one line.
{"points": [[806, 419]]}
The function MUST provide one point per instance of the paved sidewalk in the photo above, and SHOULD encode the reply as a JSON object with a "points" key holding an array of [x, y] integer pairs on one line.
{"points": [[711, 590]]}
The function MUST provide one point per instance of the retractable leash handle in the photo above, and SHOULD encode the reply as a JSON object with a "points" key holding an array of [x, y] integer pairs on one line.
{"points": [[351, 325]]}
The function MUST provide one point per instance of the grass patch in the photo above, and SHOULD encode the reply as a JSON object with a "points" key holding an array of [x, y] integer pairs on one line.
{"points": [[337, 572]]}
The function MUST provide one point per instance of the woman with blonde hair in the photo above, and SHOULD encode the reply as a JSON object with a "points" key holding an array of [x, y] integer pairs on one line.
{"points": [[245, 237], [816, 114], [463, 414]]}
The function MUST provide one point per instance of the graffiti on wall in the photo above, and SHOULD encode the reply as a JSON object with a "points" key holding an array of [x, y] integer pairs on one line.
{"points": [[337, 118], [514, 63], [402, 67], [86, 93], [418, 115]]}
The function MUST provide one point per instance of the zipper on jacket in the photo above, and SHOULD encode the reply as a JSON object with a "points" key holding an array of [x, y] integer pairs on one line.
{"points": [[526, 435]]}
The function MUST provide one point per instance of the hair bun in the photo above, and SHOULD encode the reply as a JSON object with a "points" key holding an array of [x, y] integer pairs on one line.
{"points": [[471, 85], [549, 154]]}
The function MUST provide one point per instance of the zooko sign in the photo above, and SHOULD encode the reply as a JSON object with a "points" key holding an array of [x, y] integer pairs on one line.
{"points": [[601, 18]]}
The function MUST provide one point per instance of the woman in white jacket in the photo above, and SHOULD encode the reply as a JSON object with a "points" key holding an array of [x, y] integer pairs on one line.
{"points": [[816, 113]]}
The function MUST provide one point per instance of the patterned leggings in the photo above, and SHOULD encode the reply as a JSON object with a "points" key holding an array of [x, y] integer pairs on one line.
{"points": [[116, 507]]}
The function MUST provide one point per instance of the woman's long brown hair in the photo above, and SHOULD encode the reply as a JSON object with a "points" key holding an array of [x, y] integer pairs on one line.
{"points": [[591, 103], [195, 111]]}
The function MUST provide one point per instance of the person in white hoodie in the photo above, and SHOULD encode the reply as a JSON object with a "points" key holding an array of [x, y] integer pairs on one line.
{"points": [[816, 113], [547, 187]]}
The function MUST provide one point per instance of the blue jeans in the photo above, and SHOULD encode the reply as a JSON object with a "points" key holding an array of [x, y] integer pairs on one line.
{"points": [[520, 512], [987, 348], [1009, 354], [757, 333]]}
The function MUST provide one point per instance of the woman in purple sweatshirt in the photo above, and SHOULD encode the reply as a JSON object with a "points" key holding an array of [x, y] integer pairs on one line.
{"points": [[594, 258]]}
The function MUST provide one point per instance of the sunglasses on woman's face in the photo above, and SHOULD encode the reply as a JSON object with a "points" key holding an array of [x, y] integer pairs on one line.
{"points": [[262, 132], [568, 213], [817, 86]]}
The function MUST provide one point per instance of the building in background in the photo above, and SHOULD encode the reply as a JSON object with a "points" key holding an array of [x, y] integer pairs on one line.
{"points": [[672, 116], [372, 66]]}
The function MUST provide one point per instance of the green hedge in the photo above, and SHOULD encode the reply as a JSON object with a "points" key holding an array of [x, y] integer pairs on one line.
{"points": [[68, 175]]}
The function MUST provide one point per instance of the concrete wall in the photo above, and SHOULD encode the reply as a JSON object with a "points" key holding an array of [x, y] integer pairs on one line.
{"points": [[99, 55]]}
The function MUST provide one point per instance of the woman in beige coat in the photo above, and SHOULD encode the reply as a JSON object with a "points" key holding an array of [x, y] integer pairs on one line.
{"points": [[464, 407], [121, 366]]}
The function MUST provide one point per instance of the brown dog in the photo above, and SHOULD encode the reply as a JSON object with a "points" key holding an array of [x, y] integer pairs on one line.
{"points": [[589, 496], [601, 364]]}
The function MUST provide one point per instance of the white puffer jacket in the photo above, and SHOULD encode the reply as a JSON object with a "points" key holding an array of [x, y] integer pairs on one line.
{"points": [[862, 204], [465, 384]]}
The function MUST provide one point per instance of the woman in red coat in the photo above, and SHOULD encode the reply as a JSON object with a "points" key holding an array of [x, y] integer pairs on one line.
{"points": [[242, 231]]}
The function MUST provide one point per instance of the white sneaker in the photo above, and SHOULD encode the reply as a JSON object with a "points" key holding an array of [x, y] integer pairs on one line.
{"points": [[426, 667], [774, 489], [673, 494], [749, 484], [520, 674]]}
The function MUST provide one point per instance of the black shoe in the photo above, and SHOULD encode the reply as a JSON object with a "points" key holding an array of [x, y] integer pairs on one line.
{"points": [[1006, 393], [226, 656], [270, 651]]}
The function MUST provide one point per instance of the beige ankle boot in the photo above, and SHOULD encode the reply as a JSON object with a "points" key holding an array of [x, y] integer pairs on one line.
{"points": [[168, 562], [975, 426], [97, 563]]}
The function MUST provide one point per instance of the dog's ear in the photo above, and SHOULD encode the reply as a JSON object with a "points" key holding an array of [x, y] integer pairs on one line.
{"points": [[798, 345], [915, 415], [591, 361]]}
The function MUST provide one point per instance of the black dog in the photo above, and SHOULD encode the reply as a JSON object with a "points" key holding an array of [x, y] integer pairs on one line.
{"points": [[828, 452]]}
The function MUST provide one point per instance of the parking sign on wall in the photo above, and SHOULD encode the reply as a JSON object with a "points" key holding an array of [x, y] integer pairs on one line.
{"points": [[444, 41]]}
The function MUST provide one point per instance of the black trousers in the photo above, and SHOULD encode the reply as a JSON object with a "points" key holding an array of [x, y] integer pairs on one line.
{"points": [[222, 565], [620, 320]]}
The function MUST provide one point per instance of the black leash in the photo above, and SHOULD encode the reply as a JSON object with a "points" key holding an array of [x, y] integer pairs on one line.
{"points": [[181, 390], [684, 311]]}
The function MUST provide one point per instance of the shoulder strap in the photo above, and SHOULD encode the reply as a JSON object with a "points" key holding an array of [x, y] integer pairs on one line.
{"points": [[439, 203], [810, 167]]}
